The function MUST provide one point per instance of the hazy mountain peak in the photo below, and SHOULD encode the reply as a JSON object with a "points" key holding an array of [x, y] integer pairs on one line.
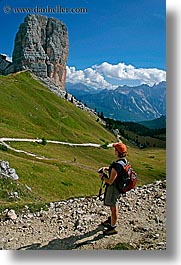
{"points": [[125, 103]]}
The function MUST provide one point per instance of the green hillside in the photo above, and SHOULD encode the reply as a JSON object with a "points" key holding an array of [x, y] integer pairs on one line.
{"points": [[156, 123], [29, 110]]}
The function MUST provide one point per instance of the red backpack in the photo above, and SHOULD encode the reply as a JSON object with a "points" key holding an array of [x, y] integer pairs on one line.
{"points": [[127, 178]]}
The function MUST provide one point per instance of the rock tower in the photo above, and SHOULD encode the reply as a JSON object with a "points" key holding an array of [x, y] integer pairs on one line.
{"points": [[41, 45]]}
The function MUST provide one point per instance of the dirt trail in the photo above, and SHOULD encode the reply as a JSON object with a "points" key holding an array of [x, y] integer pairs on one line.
{"points": [[75, 223], [4, 141]]}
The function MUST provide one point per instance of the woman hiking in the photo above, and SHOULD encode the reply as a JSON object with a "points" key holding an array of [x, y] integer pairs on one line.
{"points": [[112, 193]]}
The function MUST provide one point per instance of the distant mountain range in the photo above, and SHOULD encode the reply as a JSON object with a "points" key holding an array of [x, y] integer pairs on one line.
{"points": [[125, 103]]}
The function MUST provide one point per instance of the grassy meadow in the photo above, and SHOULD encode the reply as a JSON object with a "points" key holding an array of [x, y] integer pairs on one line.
{"points": [[29, 110]]}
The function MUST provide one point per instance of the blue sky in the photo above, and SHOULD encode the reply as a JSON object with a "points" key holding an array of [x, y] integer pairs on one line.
{"points": [[114, 42]]}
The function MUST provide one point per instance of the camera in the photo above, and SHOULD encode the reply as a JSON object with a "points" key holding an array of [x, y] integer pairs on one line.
{"points": [[103, 174], [100, 171]]}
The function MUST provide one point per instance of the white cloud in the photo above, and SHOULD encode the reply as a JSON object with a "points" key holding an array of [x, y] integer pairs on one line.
{"points": [[98, 75], [121, 71], [88, 76]]}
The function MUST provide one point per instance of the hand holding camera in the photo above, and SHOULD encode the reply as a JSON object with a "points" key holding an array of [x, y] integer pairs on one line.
{"points": [[102, 174]]}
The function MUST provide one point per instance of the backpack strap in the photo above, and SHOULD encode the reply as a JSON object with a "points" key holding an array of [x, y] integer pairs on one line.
{"points": [[120, 181], [120, 168], [122, 163], [126, 166]]}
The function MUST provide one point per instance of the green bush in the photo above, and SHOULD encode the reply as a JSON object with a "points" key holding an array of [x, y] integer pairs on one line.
{"points": [[44, 141], [3, 147], [104, 146]]}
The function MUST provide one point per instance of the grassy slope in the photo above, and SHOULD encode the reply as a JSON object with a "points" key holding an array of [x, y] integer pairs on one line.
{"points": [[28, 109]]}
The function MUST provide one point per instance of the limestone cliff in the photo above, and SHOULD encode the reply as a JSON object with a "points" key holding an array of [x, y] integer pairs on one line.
{"points": [[41, 45]]}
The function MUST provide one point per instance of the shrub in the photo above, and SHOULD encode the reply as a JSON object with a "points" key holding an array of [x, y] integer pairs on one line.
{"points": [[44, 141], [104, 146], [3, 147]]}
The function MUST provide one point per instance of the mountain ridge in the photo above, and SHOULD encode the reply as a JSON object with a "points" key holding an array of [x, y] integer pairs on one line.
{"points": [[124, 103]]}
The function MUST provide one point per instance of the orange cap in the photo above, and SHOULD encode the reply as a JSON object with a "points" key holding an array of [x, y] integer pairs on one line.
{"points": [[120, 147]]}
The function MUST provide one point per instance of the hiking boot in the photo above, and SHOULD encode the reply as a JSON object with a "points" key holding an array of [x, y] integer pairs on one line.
{"points": [[111, 230], [107, 223]]}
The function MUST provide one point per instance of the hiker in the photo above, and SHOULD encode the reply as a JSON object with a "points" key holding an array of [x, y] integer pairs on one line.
{"points": [[112, 193]]}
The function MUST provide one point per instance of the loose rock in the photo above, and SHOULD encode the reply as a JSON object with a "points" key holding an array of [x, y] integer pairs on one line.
{"points": [[75, 223]]}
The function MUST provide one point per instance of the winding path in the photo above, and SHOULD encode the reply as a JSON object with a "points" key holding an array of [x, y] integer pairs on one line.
{"points": [[4, 140]]}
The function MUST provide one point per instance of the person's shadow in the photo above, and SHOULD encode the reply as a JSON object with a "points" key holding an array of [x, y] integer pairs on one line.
{"points": [[68, 242]]}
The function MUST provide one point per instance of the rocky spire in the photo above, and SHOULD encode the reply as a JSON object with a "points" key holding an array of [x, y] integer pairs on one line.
{"points": [[41, 45]]}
